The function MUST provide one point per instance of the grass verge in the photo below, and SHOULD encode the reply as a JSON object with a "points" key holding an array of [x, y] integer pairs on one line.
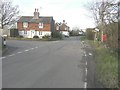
{"points": [[106, 64]]}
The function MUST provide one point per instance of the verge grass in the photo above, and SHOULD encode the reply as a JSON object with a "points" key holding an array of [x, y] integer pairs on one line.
{"points": [[106, 65]]}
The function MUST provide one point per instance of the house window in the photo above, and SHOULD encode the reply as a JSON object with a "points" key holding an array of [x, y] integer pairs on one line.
{"points": [[35, 32], [40, 32], [40, 25], [25, 24], [25, 32]]}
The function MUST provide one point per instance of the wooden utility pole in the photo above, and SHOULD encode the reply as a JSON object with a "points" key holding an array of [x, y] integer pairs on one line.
{"points": [[102, 19]]}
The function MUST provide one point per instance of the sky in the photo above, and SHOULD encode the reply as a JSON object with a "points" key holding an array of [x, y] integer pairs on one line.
{"points": [[72, 11]]}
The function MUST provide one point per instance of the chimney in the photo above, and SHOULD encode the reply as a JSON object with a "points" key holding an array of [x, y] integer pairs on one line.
{"points": [[36, 14], [63, 21]]}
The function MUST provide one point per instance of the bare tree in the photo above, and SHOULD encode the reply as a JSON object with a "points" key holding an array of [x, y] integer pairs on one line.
{"points": [[8, 13], [105, 15], [105, 11]]}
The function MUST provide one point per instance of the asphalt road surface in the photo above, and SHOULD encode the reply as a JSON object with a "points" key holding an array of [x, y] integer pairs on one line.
{"points": [[44, 64]]}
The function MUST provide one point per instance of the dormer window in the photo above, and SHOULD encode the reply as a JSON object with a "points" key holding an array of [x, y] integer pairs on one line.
{"points": [[25, 24], [40, 25]]}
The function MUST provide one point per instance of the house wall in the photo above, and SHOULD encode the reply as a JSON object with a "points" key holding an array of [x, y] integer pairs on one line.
{"points": [[32, 33], [46, 27], [33, 30]]}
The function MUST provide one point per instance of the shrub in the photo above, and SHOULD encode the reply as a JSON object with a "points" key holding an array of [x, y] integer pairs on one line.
{"points": [[20, 36], [90, 34], [56, 34], [35, 37], [14, 33], [46, 37], [106, 65]]}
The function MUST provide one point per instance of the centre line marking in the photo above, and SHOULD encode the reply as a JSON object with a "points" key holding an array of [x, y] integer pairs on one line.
{"points": [[11, 55], [85, 85], [26, 50], [86, 71], [2, 58], [32, 48], [19, 52]]}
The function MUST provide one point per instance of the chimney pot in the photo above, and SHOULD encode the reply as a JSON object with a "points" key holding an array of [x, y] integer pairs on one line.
{"points": [[37, 10], [36, 14]]}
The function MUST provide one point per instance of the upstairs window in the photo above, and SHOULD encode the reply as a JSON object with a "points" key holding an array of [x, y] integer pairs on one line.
{"points": [[40, 32], [25, 24], [40, 25]]}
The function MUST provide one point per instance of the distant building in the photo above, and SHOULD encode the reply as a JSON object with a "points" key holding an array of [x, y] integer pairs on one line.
{"points": [[30, 26], [62, 28]]}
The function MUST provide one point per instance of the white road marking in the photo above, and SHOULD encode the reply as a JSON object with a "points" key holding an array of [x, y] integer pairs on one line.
{"points": [[90, 54], [31, 48], [19, 52], [11, 55], [26, 50], [85, 85], [86, 72], [85, 53], [2, 58]]}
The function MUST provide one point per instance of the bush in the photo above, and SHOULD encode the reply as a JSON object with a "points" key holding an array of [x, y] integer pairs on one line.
{"points": [[46, 37], [35, 37], [106, 65], [107, 68], [14, 33], [82, 38], [90, 34], [74, 33], [20, 36], [56, 34]]}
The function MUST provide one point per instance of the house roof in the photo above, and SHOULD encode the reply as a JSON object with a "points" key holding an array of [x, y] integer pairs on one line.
{"points": [[42, 19]]}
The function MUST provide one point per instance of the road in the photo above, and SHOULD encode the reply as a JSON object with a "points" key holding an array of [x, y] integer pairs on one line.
{"points": [[42, 64]]}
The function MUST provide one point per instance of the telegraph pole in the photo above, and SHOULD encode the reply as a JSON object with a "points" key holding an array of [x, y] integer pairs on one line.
{"points": [[102, 20]]}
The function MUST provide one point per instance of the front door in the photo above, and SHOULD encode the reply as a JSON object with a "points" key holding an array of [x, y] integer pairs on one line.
{"points": [[32, 33]]}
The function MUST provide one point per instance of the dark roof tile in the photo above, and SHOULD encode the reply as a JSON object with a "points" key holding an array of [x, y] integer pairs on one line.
{"points": [[42, 19]]}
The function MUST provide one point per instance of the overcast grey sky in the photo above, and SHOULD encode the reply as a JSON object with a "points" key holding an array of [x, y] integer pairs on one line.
{"points": [[72, 11]]}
